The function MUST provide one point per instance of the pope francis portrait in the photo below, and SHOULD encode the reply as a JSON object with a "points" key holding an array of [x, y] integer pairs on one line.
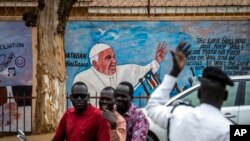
{"points": [[105, 72]]}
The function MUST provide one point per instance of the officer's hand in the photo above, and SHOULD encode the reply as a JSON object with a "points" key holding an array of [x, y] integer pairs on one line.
{"points": [[110, 116], [179, 58]]}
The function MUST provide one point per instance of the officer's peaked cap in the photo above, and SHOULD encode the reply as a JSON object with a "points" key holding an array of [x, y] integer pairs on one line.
{"points": [[216, 74]]}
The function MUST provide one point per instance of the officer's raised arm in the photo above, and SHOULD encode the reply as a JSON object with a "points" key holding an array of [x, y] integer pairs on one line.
{"points": [[155, 107]]}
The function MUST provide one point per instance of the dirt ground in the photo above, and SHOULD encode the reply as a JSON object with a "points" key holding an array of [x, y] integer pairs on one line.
{"points": [[42, 137]]}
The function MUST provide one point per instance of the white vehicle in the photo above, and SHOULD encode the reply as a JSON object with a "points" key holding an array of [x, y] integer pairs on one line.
{"points": [[236, 107]]}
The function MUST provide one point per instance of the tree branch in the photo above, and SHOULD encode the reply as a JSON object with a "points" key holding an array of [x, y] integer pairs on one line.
{"points": [[63, 12]]}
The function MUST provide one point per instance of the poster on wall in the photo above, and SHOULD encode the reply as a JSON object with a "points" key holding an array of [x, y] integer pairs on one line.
{"points": [[105, 53], [15, 76]]}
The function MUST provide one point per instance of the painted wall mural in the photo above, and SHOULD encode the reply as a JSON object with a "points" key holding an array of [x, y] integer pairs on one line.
{"points": [[15, 76], [103, 53]]}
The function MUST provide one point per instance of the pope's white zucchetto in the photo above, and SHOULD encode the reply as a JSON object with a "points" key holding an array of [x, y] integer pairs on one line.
{"points": [[96, 49]]}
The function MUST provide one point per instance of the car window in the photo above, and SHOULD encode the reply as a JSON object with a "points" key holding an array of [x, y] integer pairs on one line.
{"points": [[247, 93], [232, 92], [192, 98]]}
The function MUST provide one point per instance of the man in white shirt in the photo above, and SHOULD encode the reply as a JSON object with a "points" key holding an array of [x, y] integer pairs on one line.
{"points": [[104, 71], [185, 123]]}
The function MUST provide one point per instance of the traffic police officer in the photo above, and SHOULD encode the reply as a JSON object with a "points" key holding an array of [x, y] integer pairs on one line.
{"points": [[186, 123]]}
